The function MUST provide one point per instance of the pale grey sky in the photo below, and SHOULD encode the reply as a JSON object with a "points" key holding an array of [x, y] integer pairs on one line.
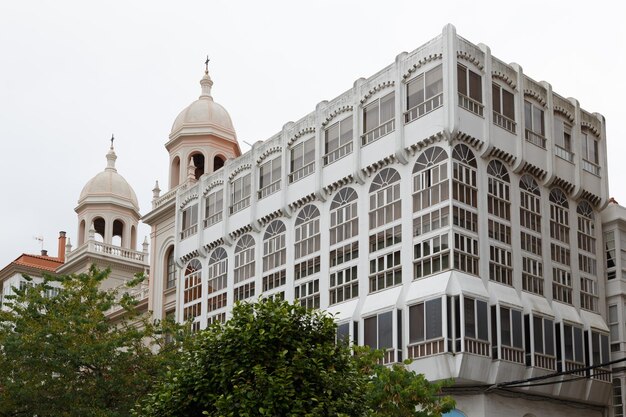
{"points": [[73, 72]]}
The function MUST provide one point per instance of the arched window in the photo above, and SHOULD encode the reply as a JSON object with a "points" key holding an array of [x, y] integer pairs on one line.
{"points": [[559, 247], [464, 213], [344, 222], [198, 161], [430, 178], [307, 231], [218, 269], [586, 257], [530, 235], [274, 255], [175, 172], [385, 198], [192, 293], [244, 267], [99, 226], [170, 269], [344, 225], [307, 237], [118, 233], [499, 209], [385, 210], [218, 163]]}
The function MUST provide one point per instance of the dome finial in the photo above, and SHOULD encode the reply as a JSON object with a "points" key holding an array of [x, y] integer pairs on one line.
{"points": [[111, 157], [206, 82]]}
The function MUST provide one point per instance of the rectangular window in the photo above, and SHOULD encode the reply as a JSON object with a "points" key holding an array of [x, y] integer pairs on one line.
{"points": [[385, 206], [430, 187], [344, 222], [214, 208], [464, 184], [269, 177], [424, 94], [559, 254], [511, 335], [378, 334], [274, 280], [308, 294], [573, 353], [500, 232], [532, 275], [189, 221], [385, 238], [530, 211], [306, 268], [465, 218], [470, 90], [385, 271], [600, 355], [563, 139], [378, 118], [590, 149], [465, 254], [431, 221], [425, 321], [609, 247], [216, 302], [244, 291], [476, 326], [588, 294], [503, 108], [613, 322], [302, 160], [344, 254], [171, 271], [344, 285], [500, 265], [562, 285], [338, 140], [240, 193], [535, 131], [543, 333], [618, 406], [431, 256]]}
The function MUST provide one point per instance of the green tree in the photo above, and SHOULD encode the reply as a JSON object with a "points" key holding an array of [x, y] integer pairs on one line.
{"points": [[278, 359], [60, 356]]}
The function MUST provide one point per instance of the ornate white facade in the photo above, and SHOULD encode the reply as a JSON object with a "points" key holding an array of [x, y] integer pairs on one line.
{"points": [[445, 209]]}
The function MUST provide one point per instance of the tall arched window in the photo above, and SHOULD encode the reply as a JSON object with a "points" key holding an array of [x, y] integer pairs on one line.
{"points": [[170, 269], [587, 257], [499, 216], [192, 293], [344, 222], [344, 245], [431, 253], [307, 242], [274, 256], [218, 269], [118, 233], [559, 247], [99, 226], [198, 161], [530, 235], [385, 230], [244, 267], [464, 209]]}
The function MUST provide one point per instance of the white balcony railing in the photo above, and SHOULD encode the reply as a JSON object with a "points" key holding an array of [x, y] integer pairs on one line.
{"points": [[545, 361], [423, 108], [302, 172], [563, 153], [512, 354], [426, 348], [378, 132], [191, 230], [240, 205], [269, 189], [471, 105], [591, 167], [504, 122], [212, 219], [338, 153], [535, 138], [477, 347]]}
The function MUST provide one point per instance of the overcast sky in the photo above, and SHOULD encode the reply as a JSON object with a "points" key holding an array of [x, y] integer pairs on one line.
{"points": [[74, 72]]}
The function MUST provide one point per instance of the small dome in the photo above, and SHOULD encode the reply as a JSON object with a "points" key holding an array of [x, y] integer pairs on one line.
{"points": [[109, 187], [204, 116]]}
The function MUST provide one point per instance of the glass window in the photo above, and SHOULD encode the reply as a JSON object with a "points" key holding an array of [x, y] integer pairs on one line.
{"points": [[378, 118], [302, 160], [244, 259], [344, 222], [338, 140], [307, 231], [214, 207], [424, 93], [425, 321], [269, 177], [192, 291], [240, 193]]}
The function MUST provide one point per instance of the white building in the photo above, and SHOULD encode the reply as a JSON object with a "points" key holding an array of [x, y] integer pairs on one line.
{"points": [[445, 209]]}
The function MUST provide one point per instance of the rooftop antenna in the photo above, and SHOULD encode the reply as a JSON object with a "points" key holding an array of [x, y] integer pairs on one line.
{"points": [[40, 239]]}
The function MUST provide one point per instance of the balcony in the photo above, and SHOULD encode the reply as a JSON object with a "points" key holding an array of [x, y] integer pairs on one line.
{"points": [[211, 220], [191, 230], [423, 108], [240, 205], [535, 138], [269, 189], [111, 250], [545, 361], [563, 153], [477, 347], [512, 354], [504, 122], [338, 153], [427, 348], [378, 132], [591, 167], [471, 105], [302, 172]]}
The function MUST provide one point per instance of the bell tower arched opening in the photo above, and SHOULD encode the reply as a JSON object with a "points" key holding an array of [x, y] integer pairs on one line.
{"points": [[218, 163], [99, 226], [198, 161], [118, 233]]}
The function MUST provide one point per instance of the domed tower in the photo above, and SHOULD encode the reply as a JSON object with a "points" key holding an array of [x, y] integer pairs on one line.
{"points": [[202, 135], [108, 208]]}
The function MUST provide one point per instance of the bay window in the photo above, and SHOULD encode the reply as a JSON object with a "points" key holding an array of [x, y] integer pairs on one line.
{"points": [[378, 118]]}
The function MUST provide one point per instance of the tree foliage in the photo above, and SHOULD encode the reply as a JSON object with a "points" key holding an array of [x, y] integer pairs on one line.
{"points": [[278, 359], [60, 356]]}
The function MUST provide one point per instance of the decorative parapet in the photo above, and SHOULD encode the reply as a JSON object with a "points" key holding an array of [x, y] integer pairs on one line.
{"points": [[213, 185], [567, 186], [238, 170], [535, 171], [535, 90], [189, 256], [563, 107], [212, 245], [375, 89], [165, 198], [420, 63], [105, 249], [502, 155], [470, 52], [268, 152], [437, 137], [590, 122], [502, 71], [594, 199], [336, 113], [470, 140], [187, 199], [300, 133]]}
